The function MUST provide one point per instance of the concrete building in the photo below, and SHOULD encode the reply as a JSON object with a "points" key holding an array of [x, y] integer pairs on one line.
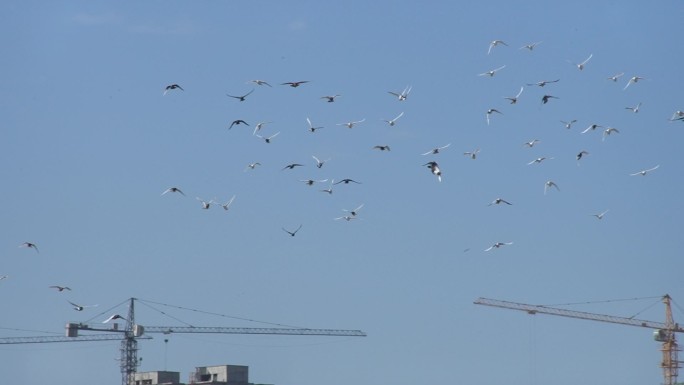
{"points": [[215, 375]]}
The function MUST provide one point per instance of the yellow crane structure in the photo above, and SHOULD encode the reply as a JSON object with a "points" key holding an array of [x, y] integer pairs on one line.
{"points": [[132, 332], [664, 332]]}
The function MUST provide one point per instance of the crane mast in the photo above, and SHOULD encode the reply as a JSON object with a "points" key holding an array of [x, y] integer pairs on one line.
{"points": [[664, 331]]}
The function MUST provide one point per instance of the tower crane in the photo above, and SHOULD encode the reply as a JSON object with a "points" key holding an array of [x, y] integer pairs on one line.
{"points": [[664, 332], [132, 332]]}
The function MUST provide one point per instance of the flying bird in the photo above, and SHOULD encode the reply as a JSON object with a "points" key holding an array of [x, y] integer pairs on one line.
{"points": [[609, 131], [205, 204], [543, 83], [237, 122], [495, 43], [292, 233], [616, 77], [355, 211], [569, 124], [241, 98], [311, 126], [112, 318], [392, 122], [548, 184], [60, 288], [291, 166], [633, 79], [252, 166], [352, 124], [330, 98], [531, 46], [434, 168], [30, 246], [294, 84], [493, 72], [539, 160], [545, 98], [472, 154], [173, 190], [634, 109], [347, 181], [259, 126], [319, 163], [346, 218], [514, 99], [78, 307], [531, 143], [678, 115], [591, 128], [581, 154], [260, 82], [644, 172], [436, 150], [491, 111], [498, 245], [329, 190], [226, 206], [499, 201], [403, 95], [581, 65], [381, 148], [310, 182], [172, 87], [269, 138], [599, 215]]}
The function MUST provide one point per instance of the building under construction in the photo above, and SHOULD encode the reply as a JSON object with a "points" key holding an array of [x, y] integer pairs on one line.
{"points": [[219, 375]]}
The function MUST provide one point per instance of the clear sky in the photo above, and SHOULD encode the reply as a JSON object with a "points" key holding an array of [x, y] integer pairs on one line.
{"points": [[89, 143]]}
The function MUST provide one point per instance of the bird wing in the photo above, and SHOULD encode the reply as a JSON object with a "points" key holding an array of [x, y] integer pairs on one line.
{"points": [[398, 116]]}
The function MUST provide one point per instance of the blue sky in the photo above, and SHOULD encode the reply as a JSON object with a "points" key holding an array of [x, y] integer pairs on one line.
{"points": [[89, 143]]}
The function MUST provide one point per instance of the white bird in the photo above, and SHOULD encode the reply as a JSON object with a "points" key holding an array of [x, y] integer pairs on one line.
{"points": [[205, 204], [472, 154], [569, 124], [499, 201], [678, 115], [352, 124], [112, 318], [633, 79], [434, 168], [310, 182], [600, 215], [260, 82], [644, 172], [539, 160], [491, 111], [329, 190], [403, 95], [311, 126], [355, 211], [252, 166], [259, 126], [609, 131], [581, 65], [531, 46], [514, 99], [550, 183], [30, 246], [543, 83], [346, 218], [497, 245], [616, 77], [495, 43], [226, 206], [78, 307], [531, 143], [173, 190], [268, 139], [319, 163], [591, 128], [634, 109], [392, 122], [493, 72], [436, 150]]}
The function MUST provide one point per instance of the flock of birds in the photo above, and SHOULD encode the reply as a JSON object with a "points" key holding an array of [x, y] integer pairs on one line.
{"points": [[432, 165]]}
